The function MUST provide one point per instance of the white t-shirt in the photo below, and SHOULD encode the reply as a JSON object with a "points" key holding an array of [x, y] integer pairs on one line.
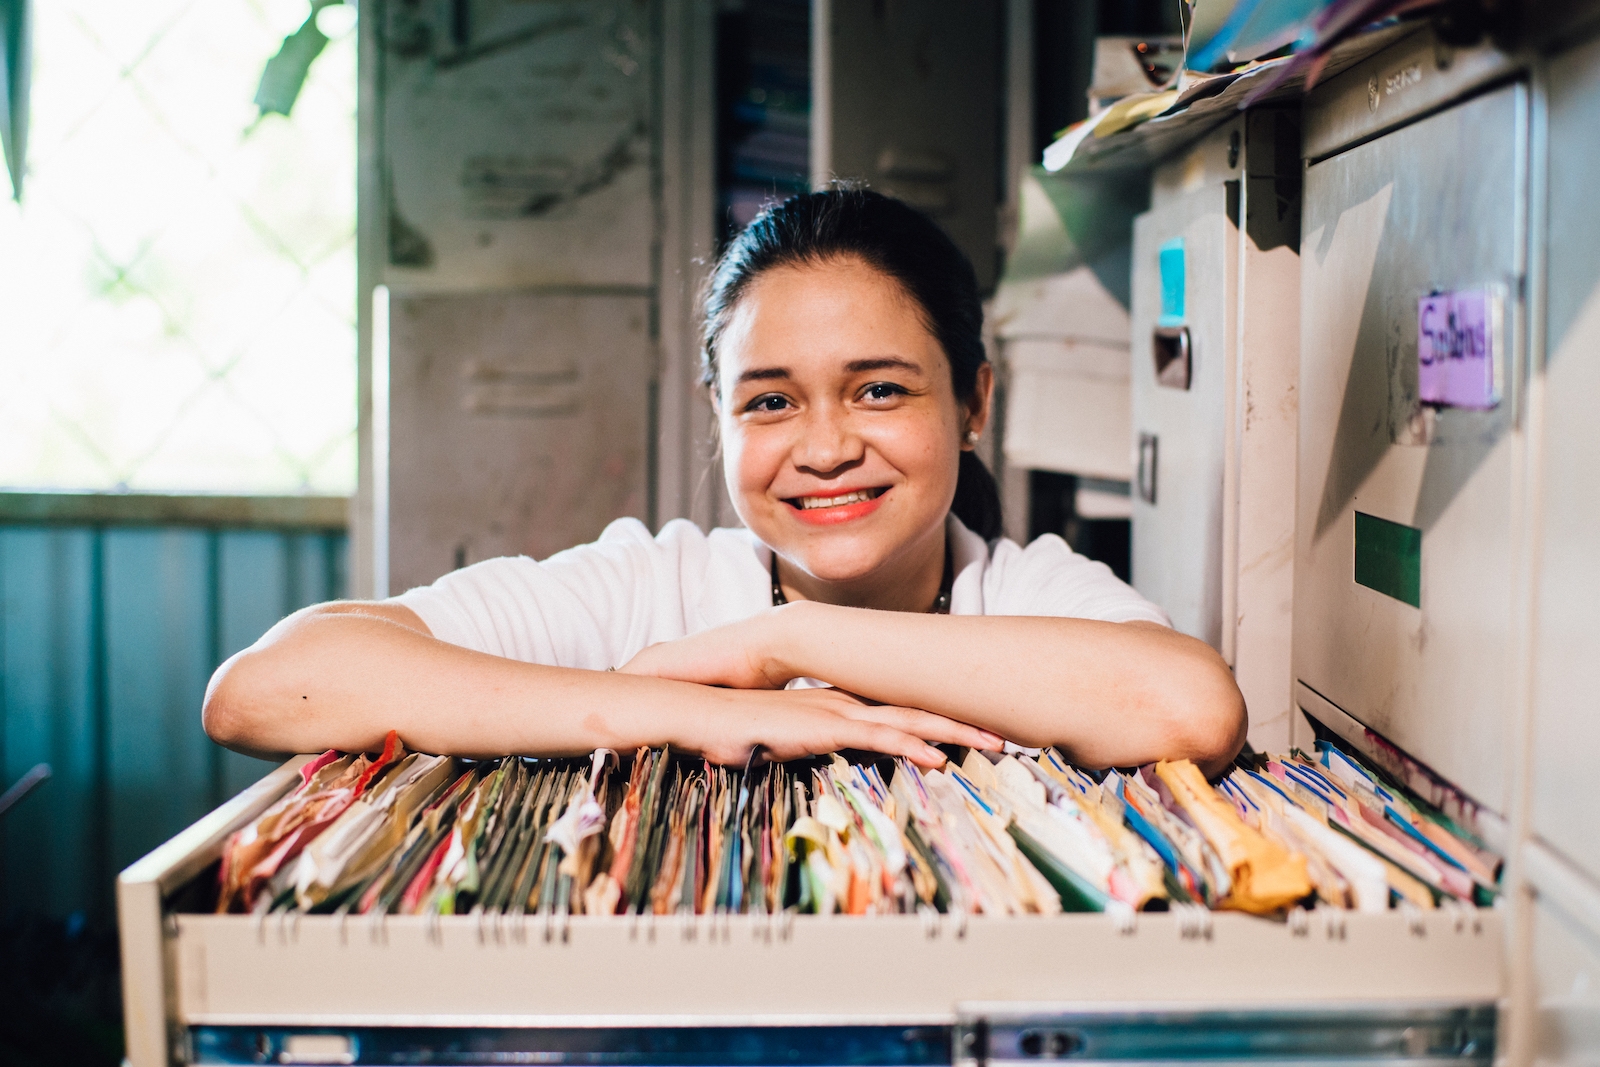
{"points": [[597, 605]]}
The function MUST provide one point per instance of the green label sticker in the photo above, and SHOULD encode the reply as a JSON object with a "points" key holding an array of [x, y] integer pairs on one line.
{"points": [[1389, 558], [1173, 282]]}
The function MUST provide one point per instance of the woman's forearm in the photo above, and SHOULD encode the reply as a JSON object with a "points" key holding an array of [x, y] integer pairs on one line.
{"points": [[341, 676], [1109, 694], [343, 679]]}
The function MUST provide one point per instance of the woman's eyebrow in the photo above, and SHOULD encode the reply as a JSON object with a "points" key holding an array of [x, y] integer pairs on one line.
{"points": [[763, 374], [855, 366], [859, 366]]}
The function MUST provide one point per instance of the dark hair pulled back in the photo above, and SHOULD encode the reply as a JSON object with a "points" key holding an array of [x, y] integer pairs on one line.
{"points": [[904, 244]]}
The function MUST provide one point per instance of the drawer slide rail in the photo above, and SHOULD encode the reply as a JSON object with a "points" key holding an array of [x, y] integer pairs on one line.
{"points": [[1415, 1036]]}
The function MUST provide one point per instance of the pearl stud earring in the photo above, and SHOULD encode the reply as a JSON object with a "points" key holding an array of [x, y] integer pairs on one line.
{"points": [[972, 437]]}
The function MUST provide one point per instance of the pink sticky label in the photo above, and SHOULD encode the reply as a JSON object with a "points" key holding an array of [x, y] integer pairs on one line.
{"points": [[1456, 349]]}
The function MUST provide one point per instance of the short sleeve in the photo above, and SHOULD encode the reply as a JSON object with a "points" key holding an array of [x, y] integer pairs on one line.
{"points": [[1048, 578], [593, 606]]}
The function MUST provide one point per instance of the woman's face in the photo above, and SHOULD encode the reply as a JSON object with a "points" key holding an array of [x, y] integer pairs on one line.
{"points": [[841, 431]]}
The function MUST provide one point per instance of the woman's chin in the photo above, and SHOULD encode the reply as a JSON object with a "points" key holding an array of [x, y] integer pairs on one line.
{"points": [[838, 553], [845, 573], [842, 560]]}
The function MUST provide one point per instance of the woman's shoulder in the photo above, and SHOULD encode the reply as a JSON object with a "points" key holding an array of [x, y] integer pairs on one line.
{"points": [[625, 551], [701, 578], [677, 537], [1046, 577], [625, 589]]}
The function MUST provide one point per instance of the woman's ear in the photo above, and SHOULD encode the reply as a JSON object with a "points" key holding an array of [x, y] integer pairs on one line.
{"points": [[982, 403], [715, 396]]}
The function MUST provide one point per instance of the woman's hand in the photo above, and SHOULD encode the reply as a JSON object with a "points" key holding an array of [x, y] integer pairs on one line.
{"points": [[1109, 694], [736, 656], [794, 723]]}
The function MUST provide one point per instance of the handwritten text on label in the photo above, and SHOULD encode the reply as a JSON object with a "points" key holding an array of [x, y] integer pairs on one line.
{"points": [[1457, 337]]}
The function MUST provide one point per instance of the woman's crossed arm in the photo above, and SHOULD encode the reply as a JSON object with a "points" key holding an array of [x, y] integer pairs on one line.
{"points": [[1109, 694], [341, 675]]}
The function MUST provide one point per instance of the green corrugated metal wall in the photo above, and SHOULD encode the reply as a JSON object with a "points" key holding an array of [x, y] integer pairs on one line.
{"points": [[107, 637]]}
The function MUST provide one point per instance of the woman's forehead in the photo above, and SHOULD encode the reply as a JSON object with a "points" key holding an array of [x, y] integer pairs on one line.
{"points": [[837, 315]]}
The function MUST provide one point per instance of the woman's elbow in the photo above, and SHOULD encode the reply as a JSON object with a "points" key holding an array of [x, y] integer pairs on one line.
{"points": [[226, 713], [1218, 736], [1210, 728]]}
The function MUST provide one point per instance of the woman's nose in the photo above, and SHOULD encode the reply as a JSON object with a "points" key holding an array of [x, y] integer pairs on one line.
{"points": [[828, 444]]}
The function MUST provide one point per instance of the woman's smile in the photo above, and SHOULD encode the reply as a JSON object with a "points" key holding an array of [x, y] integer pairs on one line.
{"points": [[838, 507]]}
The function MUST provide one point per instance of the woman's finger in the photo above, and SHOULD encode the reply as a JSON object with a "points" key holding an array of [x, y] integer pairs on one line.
{"points": [[814, 722], [915, 720], [927, 725], [878, 737], [818, 734], [869, 736]]}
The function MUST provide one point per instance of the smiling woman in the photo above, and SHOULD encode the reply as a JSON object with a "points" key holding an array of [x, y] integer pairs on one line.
{"points": [[869, 603], [844, 464]]}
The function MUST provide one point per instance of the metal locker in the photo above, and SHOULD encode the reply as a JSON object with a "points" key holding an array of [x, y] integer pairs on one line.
{"points": [[534, 185], [1561, 860], [1215, 333], [1404, 557], [905, 97], [518, 425], [1566, 674], [1183, 262], [516, 145]]}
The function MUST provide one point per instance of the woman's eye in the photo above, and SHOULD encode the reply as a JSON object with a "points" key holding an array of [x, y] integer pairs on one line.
{"points": [[768, 402], [882, 391]]}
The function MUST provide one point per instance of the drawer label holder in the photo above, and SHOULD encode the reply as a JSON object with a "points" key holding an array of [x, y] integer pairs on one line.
{"points": [[1459, 349]]}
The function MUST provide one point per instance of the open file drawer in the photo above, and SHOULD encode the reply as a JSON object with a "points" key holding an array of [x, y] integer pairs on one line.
{"points": [[786, 989]]}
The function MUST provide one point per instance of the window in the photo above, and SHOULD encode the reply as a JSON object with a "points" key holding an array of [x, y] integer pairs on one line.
{"points": [[177, 286]]}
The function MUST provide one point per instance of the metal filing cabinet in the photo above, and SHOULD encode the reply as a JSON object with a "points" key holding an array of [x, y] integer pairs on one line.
{"points": [[519, 424], [1566, 671], [536, 213], [1561, 859], [914, 990], [1445, 573], [1215, 324], [1414, 220], [902, 990]]}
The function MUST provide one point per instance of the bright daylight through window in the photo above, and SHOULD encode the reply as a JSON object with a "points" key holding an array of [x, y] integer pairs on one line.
{"points": [[177, 285]]}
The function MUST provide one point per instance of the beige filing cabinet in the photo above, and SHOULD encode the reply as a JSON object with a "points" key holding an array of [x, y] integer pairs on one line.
{"points": [[1215, 325], [536, 210], [1561, 855], [1405, 560], [913, 990], [1446, 584], [1064, 342], [760, 990], [518, 424]]}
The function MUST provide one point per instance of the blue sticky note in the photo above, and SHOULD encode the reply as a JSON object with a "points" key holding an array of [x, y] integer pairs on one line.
{"points": [[1172, 282]]}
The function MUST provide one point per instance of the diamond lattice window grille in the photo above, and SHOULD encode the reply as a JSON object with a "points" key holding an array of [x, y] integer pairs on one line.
{"points": [[177, 291]]}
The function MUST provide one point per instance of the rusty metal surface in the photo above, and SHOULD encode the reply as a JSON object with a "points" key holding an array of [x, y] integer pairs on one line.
{"points": [[517, 145], [519, 425]]}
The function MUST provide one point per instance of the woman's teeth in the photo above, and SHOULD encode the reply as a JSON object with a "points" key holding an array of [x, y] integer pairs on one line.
{"points": [[809, 502]]}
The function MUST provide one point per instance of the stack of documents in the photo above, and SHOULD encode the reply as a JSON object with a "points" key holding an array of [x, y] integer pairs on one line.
{"points": [[409, 833]]}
